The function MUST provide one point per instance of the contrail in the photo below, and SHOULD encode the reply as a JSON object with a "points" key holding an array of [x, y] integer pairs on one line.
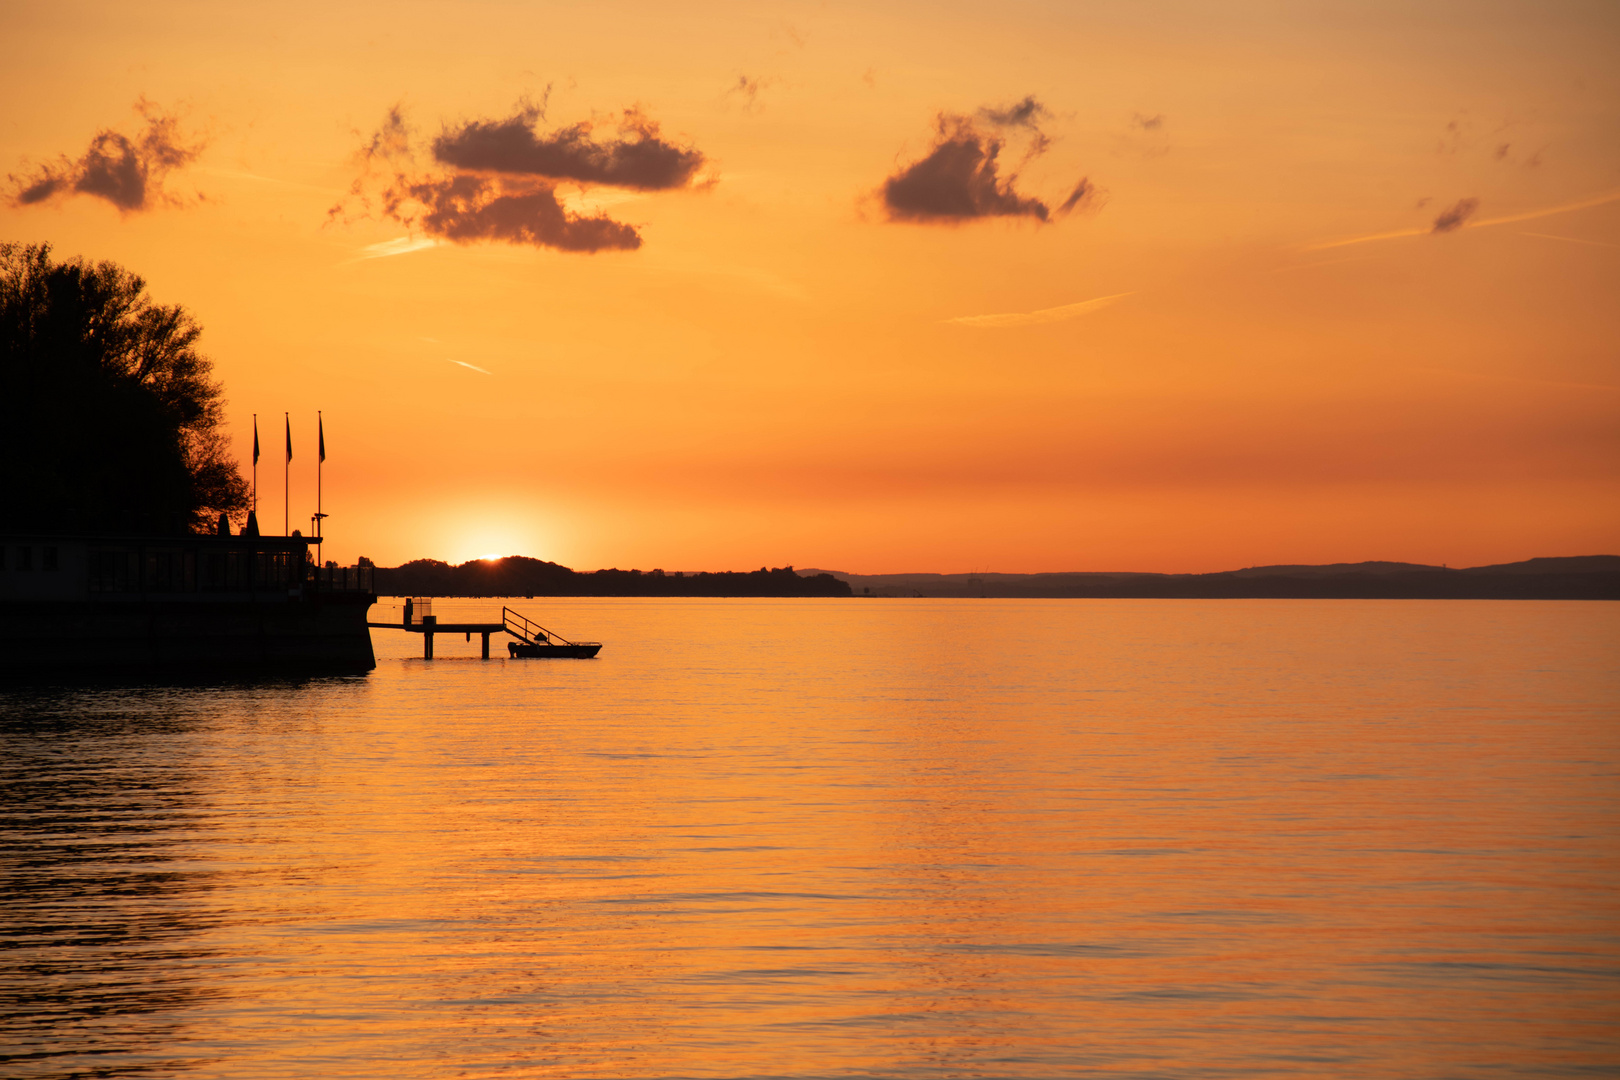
{"points": [[1506, 219], [402, 246], [1044, 315], [473, 367], [1571, 240]]}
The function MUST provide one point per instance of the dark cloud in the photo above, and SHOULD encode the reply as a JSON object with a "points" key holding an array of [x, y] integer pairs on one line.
{"points": [[497, 180], [1148, 123], [1026, 114], [958, 181], [127, 172], [1452, 219], [1084, 194], [638, 158], [960, 177], [466, 208]]}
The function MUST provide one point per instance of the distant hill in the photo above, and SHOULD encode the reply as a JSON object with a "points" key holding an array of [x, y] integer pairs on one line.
{"points": [[517, 575], [1586, 577]]}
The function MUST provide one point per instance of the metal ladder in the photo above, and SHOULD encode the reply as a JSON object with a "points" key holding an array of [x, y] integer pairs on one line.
{"points": [[532, 632]]}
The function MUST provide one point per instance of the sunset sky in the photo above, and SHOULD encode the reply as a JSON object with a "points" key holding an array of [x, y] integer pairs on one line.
{"points": [[879, 287]]}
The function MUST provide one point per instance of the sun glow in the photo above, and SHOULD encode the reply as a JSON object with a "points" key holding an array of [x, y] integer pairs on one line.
{"points": [[500, 530]]}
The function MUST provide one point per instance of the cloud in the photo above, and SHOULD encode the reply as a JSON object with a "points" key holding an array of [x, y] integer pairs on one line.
{"points": [[1027, 113], [1034, 318], [498, 180], [639, 158], [1452, 219], [1084, 194], [960, 178], [1148, 123], [465, 208], [125, 171], [471, 367]]}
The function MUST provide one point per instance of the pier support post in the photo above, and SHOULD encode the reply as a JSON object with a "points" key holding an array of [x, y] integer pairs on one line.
{"points": [[428, 623], [486, 644]]}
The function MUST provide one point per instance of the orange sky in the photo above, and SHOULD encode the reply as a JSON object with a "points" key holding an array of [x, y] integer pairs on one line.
{"points": [[779, 374]]}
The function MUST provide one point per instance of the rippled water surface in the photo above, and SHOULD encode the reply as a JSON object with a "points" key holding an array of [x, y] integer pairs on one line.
{"points": [[779, 838]]}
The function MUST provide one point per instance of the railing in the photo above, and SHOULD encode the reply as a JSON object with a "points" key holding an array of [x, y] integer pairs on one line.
{"points": [[343, 578], [532, 632]]}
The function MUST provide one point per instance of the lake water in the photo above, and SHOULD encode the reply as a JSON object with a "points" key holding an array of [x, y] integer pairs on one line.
{"points": [[884, 838]]}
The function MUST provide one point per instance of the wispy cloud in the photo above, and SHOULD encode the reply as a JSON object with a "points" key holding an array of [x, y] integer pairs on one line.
{"points": [[747, 90], [470, 367], [127, 171], [404, 245], [1506, 219], [1034, 318]]}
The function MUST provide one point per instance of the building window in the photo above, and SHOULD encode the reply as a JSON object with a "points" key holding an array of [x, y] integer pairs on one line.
{"points": [[48, 559], [25, 558]]}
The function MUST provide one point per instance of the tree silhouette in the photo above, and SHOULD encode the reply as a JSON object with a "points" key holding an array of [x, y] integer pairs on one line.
{"points": [[109, 416]]}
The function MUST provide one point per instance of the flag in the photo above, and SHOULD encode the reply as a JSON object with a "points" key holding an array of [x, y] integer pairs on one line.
{"points": [[321, 426], [255, 440], [289, 438]]}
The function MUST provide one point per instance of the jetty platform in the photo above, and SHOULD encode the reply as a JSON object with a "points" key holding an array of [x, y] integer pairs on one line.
{"points": [[429, 626], [419, 619]]}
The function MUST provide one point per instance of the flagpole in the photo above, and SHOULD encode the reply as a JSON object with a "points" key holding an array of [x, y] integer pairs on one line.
{"points": [[320, 463], [255, 465], [286, 481]]}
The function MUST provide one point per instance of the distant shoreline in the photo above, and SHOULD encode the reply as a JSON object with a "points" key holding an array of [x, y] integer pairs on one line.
{"points": [[1588, 577], [1591, 577]]}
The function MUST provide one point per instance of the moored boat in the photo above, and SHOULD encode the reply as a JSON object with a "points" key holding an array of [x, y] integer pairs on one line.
{"points": [[536, 642], [580, 650]]}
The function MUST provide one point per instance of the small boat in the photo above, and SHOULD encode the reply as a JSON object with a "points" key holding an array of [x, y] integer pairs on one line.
{"points": [[536, 642], [580, 650]]}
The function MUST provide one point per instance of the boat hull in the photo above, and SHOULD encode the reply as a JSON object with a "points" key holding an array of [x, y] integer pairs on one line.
{"points": [[525, 651]]}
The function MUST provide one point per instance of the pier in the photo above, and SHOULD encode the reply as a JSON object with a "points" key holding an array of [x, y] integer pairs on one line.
{"points": [[419, 619], [430, 625]]}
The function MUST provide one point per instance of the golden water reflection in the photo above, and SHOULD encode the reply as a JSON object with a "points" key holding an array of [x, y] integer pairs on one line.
{"points": [[808, 838]]}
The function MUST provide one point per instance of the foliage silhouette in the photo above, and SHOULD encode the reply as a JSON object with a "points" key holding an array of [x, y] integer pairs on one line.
{"points": [[109, 416], [517, 575]]}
